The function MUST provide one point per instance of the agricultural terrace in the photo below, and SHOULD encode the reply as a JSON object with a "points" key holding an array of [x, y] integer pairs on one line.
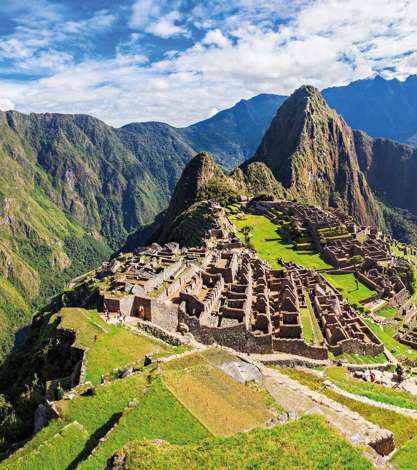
{"points": [[352, 289], [109, 346], [305, 443], [270, 245], [404, 428], [68, 442], [387, 313], [157, 416], [360, 358], [340, 377], [223, 405], [405, 458], [386, 334]]}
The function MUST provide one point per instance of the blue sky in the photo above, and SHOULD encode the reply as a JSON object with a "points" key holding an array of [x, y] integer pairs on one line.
{"points": [[180, 61]]}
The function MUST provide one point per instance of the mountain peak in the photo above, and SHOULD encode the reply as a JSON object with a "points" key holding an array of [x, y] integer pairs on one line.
{"points": [[306, 90], [202, 179], [307, 97], [310, 150]]}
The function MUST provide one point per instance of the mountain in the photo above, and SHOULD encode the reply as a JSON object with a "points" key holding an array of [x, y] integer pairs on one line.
{"points": [[233, 134], [310, 150], [191, 212], [380, 107], [317, 158], [73, 174], [71, 190], [389, 168]]}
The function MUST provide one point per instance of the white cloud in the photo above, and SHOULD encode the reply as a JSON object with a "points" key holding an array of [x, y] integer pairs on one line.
{"points": [[144, 12], [245, 49], [167, 26], [6, 104], [215, 37], [101, 20], [158, 17], [39, 42]]}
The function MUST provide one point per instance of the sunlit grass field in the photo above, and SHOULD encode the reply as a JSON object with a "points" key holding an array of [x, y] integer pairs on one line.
{"points": [[346, 284], [222, 404], [307, 443], [109, 346], [269, 244]]}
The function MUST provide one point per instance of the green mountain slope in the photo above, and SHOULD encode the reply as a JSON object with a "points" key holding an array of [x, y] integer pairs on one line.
{"points": [[71, 190], [189, 214]]}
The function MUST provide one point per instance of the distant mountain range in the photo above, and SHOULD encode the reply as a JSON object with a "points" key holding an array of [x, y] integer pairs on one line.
{"points": [[380, 107], [73, 188]]}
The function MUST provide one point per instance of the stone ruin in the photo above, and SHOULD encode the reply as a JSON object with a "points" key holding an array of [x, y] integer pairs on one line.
{"points": [[223, 293], [338, 240], [229, 296], [332, 233]]}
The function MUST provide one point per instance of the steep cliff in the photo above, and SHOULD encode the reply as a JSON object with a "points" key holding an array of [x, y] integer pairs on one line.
{"points": [[310, 150], [390, 169]]}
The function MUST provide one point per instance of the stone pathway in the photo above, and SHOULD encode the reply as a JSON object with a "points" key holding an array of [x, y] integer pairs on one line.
{"points": [[295, 397]]}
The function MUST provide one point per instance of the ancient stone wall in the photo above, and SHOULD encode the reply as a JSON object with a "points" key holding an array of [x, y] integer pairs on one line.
{"points": [[236, 337], [299, 348], [368, 282], [398, 299], [161, 333], [355, 346]]}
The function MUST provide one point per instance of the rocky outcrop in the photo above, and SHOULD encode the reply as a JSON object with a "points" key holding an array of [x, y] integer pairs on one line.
{"points": [[256, 178], [202, 179]]}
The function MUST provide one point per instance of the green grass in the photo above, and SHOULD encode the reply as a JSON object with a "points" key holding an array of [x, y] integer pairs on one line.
{"points": [[346, 285], [110, 399], [93, 413], [317, 334], [217, 356], [405, 458], [158, 416], [307, 326], [58, 451], [362, 359], [377, 392], [387, 313], [305, 444], [270, 246], [222, 404], [403, 427], [109, 346], [386, 336]]}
